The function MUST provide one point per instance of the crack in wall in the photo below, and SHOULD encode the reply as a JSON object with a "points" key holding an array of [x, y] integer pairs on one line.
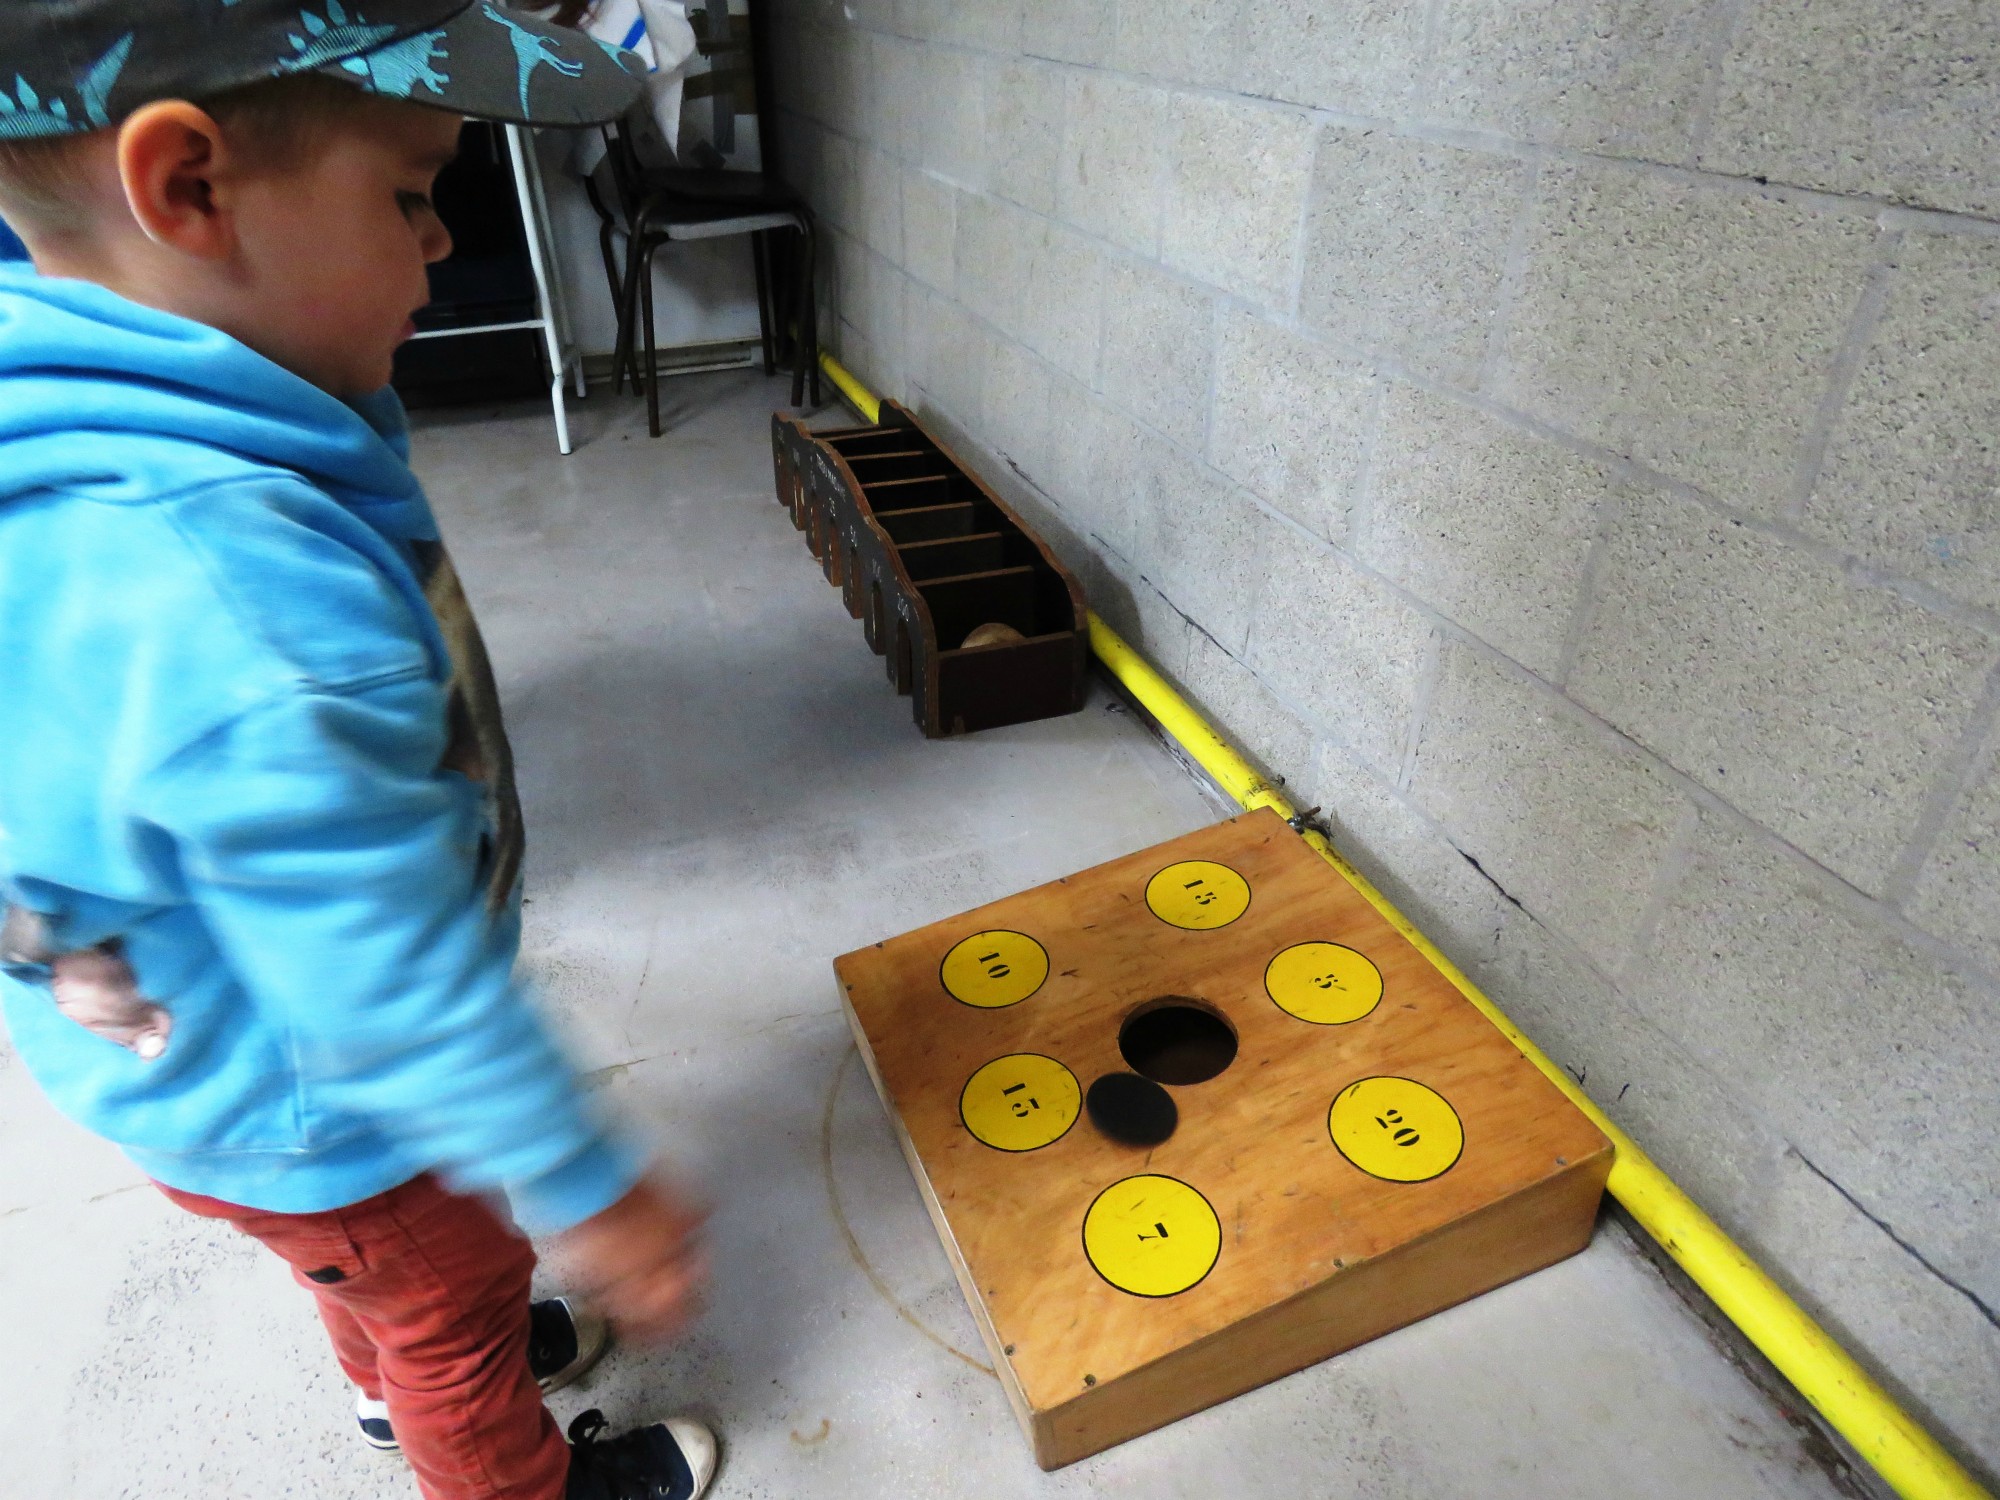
{"points": [[1510, 897], [1985, 1310]]}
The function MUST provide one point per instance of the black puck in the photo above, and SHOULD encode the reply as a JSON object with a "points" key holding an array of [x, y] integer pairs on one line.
{"points": [[1133, 1110]]}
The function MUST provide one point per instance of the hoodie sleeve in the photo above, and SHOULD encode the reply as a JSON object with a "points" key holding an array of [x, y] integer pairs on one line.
{"points": [[337, 869]]}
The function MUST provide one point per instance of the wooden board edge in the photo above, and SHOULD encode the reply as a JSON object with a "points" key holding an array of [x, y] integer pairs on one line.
{"points": [[1446, 1268], [968, 1289]]}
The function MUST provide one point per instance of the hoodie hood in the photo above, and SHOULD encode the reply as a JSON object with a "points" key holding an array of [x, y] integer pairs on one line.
{"points": [[166, 404]]}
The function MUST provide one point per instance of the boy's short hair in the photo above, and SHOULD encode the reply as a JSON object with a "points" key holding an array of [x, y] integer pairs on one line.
{"points": [[280, 122]]}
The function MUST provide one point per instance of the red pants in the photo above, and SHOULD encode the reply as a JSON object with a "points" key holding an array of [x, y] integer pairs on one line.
{"points": [[426, 1296]]}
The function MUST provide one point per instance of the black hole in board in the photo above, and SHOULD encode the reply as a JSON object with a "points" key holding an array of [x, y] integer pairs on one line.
{"points": [[1132, 1110], [1177, 1041]]}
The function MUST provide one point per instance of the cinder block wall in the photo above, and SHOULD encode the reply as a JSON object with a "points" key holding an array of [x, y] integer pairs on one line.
{"points": [[1561, 439]]}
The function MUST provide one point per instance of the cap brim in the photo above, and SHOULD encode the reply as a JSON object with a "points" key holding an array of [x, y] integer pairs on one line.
{"points": [[502, 65]]}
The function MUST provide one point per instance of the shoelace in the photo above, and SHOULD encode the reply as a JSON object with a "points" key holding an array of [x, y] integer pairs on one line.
{"points": [[614, 1461]]}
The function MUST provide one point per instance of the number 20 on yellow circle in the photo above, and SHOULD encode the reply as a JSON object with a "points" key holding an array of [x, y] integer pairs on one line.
{"points": [[1396, 1129]]}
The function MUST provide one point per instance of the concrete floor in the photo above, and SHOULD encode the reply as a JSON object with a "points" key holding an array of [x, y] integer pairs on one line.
{"points": [[723, 793]]}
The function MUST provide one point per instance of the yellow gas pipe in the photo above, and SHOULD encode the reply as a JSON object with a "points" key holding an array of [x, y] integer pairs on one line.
{"points": [[1889, 1438]]}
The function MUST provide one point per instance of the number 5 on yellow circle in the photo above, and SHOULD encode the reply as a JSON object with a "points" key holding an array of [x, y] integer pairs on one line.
{"points": [[1324, 983]]}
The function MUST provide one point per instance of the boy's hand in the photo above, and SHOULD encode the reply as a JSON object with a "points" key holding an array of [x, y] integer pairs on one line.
{"points": [[640, 1261]]}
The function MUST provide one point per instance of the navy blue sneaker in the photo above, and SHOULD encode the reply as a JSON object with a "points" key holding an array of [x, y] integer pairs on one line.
{"points": [[564, 1340], [670, 1460]]}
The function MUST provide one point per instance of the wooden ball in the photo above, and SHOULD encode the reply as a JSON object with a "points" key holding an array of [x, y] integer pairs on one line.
{"points": [[991, 634]]}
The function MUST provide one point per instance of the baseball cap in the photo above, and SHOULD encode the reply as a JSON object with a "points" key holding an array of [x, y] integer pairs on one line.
{"points": [[75, 65]]}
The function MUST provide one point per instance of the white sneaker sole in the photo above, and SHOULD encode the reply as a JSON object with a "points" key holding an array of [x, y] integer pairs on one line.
{"points": [[593, 1335], [697, 1445], [365, 1411]]}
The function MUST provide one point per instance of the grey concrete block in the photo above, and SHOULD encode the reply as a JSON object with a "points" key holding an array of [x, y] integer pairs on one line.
{"points": [[872, 299], [1158, 348], [839, 74], [994, 25], [1016, 398], [1406, 245], [1343, 648], [1072, 31], [930, 228], [1097, 464], [1140, 613], [1242, 709], [1957, 894], [955, 143], [996, 245], [1405, 855], [1202, 540], [952, 354], [1875, 1061], [1692, 328], [1820, 708], [1291, 419], [1490, 524], [1899, 101], [837, 182], [1062, 301], [1237, 176], [1360, 57], [899, 100], [1024, 113], [920, 306], [1111, 178], [1034, 280], [1177, 41], [1913, 461], [880, 182], [1570, 821], [1621, 77]]}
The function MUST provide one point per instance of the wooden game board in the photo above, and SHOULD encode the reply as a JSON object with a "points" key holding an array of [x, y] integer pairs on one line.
{"points": [[1375, 1152]]}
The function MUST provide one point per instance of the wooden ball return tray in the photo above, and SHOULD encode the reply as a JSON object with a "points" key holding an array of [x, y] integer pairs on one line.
{"points": [[1349, 1145], [925, 555]]}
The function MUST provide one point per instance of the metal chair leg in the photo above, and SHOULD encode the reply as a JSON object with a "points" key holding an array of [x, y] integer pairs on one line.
{"points": [[652, 368], [809, 321], [760, 257], [802, 340], [628, 307]]}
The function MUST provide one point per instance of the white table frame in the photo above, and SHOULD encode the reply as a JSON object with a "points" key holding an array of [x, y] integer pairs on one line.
{"points": [[551, 302]]}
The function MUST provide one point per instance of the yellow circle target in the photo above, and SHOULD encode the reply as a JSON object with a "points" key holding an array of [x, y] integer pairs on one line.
{"points": [[1396, 1129], [1198, 894], [1151, 1236], [1020, 1102], [996, 968], [1324, 983]]}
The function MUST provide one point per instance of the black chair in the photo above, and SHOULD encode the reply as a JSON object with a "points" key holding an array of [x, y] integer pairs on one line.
{"points": [[653, 206]]}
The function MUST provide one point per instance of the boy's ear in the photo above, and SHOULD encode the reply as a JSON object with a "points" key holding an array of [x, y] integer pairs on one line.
{"points": [[171, 159]]}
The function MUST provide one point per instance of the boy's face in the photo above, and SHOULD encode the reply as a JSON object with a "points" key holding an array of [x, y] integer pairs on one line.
{"points": [[331, 253]]}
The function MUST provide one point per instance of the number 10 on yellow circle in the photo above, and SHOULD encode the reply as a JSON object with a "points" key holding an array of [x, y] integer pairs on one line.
{"points": [[995, 968]]}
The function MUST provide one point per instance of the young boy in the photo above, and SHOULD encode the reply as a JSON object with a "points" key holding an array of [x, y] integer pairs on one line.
{"points": [[257, 838]]}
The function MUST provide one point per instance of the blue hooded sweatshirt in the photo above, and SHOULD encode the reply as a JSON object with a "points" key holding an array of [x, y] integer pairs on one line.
{"points": [[223, 705]]}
